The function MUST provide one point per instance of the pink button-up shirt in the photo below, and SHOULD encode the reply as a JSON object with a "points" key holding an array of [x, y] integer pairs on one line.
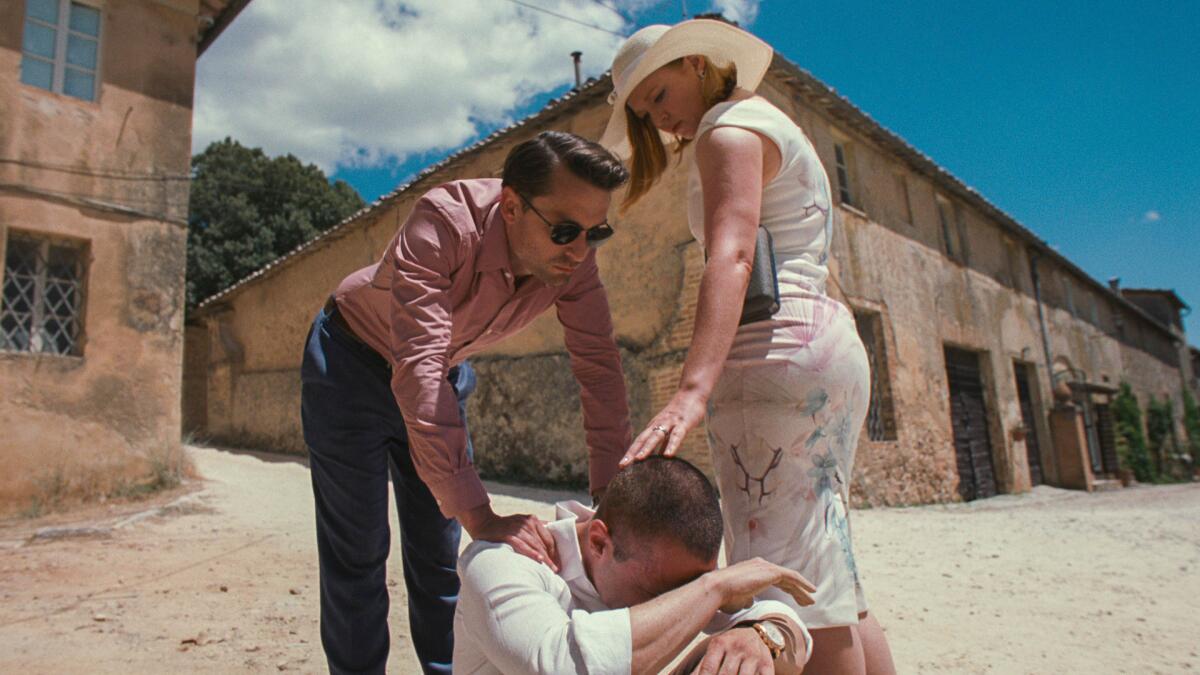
{"points": [[445, 291]]}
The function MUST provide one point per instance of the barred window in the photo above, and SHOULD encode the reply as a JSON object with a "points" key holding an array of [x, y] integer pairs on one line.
{"points": [[881, 416], [42, 309], [61, 46]]}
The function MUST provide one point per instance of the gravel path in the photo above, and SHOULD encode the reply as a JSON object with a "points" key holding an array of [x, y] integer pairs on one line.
{"points": [[224, 580]]}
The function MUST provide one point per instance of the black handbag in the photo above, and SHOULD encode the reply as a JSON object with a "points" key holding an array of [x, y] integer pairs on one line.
{"points": [[762, 293]]}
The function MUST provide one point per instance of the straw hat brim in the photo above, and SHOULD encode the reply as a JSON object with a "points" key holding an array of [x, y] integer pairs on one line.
{"points": [[718, 41]]}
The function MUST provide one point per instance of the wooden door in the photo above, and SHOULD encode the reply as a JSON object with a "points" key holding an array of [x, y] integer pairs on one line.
{"points": [[1024, 395], [968, 416]]}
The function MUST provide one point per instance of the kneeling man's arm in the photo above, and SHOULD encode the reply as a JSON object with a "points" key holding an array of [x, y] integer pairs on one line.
{"points": [[735, 643], [664, 626], [510, 611]]}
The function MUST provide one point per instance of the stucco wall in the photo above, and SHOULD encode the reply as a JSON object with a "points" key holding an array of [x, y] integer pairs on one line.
{"points": [[109, 418], [889, 259]]}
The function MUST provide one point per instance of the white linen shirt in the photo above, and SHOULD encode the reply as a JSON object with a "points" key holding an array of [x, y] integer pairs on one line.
{"points": [[516, 616]]}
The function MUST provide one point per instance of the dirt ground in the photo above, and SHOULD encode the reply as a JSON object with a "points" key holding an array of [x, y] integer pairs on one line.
{"points": [[221, 578]]}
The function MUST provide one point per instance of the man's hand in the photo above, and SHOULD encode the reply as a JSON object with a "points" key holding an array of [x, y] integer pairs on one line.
{"points": [[525, 533], [738, 584], [739, 651]]}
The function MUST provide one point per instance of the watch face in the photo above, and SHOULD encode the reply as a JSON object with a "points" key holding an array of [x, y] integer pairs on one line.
{"points": [[773, 633]]}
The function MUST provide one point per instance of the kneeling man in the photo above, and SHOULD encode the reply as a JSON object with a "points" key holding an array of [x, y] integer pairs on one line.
{"points": [[637, 583]]}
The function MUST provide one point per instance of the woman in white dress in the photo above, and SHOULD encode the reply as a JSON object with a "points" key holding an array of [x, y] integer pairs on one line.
{"points": [[783, 398]]}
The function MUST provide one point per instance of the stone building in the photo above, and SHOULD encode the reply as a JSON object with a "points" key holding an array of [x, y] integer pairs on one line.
{"points": [[95, 146], [967, 314]]}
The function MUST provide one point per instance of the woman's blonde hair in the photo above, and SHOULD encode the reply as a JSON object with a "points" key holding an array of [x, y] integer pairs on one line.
{"points": [[649, 158]]}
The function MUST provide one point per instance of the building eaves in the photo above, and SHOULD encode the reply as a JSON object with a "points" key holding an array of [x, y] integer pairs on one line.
{"points": [[216, 15], [1168, 293], [591, 91]]}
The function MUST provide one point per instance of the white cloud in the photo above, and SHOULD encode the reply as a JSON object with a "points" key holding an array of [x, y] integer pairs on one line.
{"points": [[742, 11], [357, 82], [361, 82], [1151, 216]]}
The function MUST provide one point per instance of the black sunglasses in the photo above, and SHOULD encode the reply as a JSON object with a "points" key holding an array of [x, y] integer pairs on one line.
{"points": [[568, 230]]}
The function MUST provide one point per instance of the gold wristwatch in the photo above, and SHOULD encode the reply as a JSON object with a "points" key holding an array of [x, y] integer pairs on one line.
{"points": [[771, 636]]}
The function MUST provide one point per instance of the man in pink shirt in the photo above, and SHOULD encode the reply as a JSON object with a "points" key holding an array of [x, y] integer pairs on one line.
{"points": [[385, 381]]}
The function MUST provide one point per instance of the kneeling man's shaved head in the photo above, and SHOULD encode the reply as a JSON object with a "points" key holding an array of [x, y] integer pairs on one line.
{"points": [[658, 526], [663, 497]]}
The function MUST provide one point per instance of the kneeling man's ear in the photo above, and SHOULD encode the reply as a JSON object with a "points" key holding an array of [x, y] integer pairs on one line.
{"points": [[599, 540]]}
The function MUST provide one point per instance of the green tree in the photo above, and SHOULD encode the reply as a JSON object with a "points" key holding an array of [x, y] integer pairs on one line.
{"points": [[247, 209], [1131, 442], [1160, 433], [1191, 424]]}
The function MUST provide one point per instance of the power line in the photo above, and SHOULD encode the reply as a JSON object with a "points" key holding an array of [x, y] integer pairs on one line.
{"points": [[613, 9], [564, 17]]}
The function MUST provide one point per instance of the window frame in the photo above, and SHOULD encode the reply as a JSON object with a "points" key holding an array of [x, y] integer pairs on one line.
{"points": [[62, 35], [949, 217], [882, 424], [842, 162], [83, 258], [901, 181]]}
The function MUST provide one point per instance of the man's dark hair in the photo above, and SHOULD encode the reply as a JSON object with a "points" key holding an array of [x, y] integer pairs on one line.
{"points": [[529, 165], [662, 497]]}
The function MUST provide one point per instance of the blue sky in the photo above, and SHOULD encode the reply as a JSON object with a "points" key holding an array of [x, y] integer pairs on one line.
{"points": [[1077, 118]]}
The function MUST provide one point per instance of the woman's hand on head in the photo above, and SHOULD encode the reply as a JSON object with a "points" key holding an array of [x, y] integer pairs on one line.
{"points": [[667, 429]]}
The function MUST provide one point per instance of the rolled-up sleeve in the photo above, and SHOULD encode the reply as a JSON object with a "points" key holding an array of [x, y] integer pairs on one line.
{"points": [[596, 362], [426, 252], [510, 613]]}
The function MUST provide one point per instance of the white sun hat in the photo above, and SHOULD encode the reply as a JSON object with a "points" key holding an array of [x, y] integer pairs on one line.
{"points": [[655, 46]]}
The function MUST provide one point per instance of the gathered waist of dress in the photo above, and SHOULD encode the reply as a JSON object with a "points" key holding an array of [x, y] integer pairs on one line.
{"points": [[802, 307], [800, 274]]}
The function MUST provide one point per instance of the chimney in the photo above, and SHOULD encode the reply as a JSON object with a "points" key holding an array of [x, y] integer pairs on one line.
{"points": [[1115, 283], [575, 56]]}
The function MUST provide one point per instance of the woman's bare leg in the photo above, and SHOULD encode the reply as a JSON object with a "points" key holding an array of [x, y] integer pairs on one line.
{"points": [[876, 652], [836, 651]]}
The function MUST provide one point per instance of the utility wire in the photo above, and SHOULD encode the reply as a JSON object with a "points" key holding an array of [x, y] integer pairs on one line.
{"points": [[613, 9], [120, 174], [564, 17], [92, 202]]}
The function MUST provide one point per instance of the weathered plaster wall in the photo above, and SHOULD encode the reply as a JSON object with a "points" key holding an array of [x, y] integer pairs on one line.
{"points": [[101, 421], [87, 424]]}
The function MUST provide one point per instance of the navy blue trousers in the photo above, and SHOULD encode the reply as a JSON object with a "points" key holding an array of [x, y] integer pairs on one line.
{"points": [[356, 439]]}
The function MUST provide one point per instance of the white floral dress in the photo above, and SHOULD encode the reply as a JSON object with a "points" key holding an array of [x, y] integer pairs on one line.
{"points": [[784, 418]]}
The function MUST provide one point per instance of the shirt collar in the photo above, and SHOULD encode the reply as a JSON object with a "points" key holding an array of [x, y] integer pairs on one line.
{"points": [[494, 254], [570, 554]]}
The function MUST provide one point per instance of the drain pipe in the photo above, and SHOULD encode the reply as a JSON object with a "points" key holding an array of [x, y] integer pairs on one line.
{"points": [[1034, 258]]}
